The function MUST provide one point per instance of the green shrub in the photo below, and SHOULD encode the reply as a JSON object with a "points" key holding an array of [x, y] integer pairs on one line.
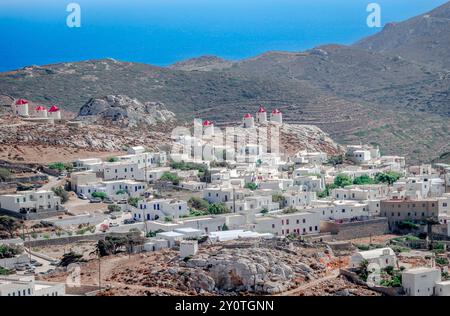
{"points": [[100, 195], [112, 159], [133, 201], [198, 204], [171, 177], [113, 208], [364, 179], [387, 177], [189, 166], [342, 180], [218, 208], [252, 186], [63, 194], [442, 261], [5, 174], [277, 197], [9, 251]]}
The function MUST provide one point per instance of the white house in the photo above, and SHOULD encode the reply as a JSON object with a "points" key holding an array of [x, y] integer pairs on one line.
{"points": [[31, 202], [188, 248], [27, 286], [382, 257], [193, 185], [281, 224], [160, 209], [171, 237], [420, 281], [442, 288], [218, 195], [298, 198], [114, 189], [310, 183]]}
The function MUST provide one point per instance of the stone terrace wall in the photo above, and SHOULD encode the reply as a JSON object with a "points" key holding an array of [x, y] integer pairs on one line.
{"points": [[351, 230]]}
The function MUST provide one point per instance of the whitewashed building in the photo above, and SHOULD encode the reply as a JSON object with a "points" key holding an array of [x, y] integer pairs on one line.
{"points": [[420, 281]]}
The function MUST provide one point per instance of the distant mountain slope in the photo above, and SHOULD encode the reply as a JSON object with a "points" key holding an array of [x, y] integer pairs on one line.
{"points": [[203, 63], [424, 39], [357, 75]]}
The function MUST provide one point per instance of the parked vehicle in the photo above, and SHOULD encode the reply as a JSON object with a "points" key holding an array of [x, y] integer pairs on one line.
{"points": [[129, 221], [82, 196], [113, 224], [95, 200]]}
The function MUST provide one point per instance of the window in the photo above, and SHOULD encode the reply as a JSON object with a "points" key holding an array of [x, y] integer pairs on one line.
{"points": [[273, 225], [287, 222], [310, 228], [304, 221]]}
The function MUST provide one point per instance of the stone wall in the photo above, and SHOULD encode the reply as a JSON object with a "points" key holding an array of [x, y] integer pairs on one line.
{"points": [[72, 239], [353, 277], [351, 230]]}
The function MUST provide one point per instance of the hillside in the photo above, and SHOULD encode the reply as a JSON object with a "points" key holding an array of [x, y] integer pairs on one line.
{"points": [[352, 93], [424, 39]]}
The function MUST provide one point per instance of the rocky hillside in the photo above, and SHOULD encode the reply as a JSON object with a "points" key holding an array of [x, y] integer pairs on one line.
{"points": [[424, 39], [125, 111], [354, 93]]}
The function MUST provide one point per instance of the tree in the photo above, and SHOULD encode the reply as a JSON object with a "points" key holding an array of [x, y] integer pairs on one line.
{"points": [[57, 166], [336, 160], [111, 245], [364, 179], [63, 194], [9, 251], [113, 208], [225, 227], [170, 177], [342, 180], [198, 203], [327, 191], [218, 208], [289, 210], [5, 174], [9, 224], [264, 211], [133, 201], [387, 177], [277, 197], [69, 258]]}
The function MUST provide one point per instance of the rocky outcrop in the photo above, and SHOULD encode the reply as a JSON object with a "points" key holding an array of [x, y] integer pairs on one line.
{"points": [[15, 132], [295, 137], [125, 111]]}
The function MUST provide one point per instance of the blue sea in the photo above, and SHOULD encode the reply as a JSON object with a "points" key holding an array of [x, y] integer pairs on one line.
{"points": [[160, 32]]}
